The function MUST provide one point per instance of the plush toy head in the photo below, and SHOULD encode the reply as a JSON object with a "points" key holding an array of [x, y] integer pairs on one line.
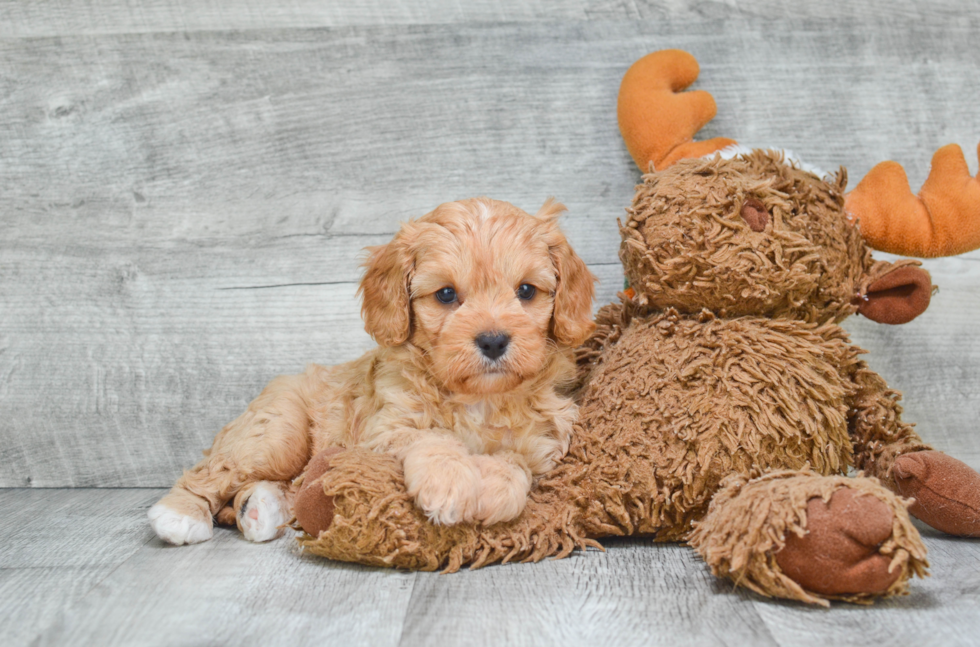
{"points": [[753, 235], [768, 238]]}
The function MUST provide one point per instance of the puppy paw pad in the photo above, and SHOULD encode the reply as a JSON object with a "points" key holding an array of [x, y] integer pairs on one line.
{"points": [[264, 514]]}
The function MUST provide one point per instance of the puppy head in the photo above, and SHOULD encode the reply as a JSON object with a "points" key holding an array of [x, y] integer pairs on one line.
{"points": [[485, 289]]}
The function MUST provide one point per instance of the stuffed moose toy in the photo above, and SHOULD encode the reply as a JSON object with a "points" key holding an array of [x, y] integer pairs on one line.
{"points": [[721, 403]]}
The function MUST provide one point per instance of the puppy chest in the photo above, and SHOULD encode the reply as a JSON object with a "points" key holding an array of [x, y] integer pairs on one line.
{"points": [[486, 429]]}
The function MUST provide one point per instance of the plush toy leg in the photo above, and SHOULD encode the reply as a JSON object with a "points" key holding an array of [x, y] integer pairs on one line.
{"points": [[803, 536], [946, 491], [353, 507]]}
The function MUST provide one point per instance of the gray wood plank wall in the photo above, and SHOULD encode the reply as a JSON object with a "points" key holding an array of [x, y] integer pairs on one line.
{"points": [[185, 186]]}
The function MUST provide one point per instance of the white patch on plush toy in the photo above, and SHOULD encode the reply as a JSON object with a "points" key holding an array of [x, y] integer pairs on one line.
{"points": [[264, 514], [789, 157], [177, 528]]}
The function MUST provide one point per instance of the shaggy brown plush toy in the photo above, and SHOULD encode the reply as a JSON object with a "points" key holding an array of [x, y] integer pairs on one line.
{"points": [[721, 403]]}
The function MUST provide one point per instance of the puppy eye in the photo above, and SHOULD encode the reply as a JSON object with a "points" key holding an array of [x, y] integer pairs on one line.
{"points": [[446, 295], [526, 291]]}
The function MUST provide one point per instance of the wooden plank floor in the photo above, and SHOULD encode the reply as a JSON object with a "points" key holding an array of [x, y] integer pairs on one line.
{"points": [[80, 567]]}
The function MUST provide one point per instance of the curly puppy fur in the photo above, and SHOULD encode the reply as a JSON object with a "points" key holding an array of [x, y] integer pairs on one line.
{"points": [[471, 429]]}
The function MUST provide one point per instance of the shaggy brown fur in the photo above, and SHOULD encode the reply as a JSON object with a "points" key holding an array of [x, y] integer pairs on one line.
{"points": [[727, 360], [750, 521]]}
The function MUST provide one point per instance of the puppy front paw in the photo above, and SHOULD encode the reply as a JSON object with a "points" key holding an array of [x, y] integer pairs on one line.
{"points": [[444, 481], [505, 482]]}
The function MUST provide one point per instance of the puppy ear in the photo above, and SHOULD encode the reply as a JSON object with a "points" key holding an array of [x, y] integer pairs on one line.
{"points": [[571, 320], [386, 304], [550, 210]]}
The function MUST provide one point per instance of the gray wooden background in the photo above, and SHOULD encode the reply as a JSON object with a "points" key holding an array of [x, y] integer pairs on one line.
{"points": [[185, 188]]}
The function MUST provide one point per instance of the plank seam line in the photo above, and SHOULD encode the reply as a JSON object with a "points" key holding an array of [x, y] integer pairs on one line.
{"points": [[411, 594], [755, 602], [285, 285]]}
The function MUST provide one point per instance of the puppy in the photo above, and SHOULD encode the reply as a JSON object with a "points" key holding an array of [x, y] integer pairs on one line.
{"points": [[476, 308]]}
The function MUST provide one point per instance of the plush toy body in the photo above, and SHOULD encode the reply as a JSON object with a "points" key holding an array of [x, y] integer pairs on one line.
{"points": [[721, 403]]}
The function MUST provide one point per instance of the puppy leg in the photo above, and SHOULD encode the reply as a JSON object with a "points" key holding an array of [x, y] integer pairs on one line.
{"points": [[443, 478], [505, 483], [270, 441]]}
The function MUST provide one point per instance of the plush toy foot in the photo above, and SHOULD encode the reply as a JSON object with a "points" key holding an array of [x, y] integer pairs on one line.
{"points": [[946, 491], [262, 512], [312, 508], [804, 536], [839, 555]]}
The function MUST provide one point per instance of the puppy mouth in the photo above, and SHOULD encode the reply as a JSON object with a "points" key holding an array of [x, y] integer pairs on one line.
{"points": [[496, 369], [495, 377]]}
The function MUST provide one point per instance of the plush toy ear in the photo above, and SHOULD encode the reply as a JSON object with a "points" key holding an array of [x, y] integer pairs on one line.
{"points": [[897, 295], [386, 305], [571, 319]]}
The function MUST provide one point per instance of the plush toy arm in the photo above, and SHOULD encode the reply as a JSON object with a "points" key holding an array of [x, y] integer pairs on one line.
{"points": [[877, 431], [946, 491], [354, 507], [610, 322]]}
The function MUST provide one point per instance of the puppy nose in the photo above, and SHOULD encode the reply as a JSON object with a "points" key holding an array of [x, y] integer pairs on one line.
{"points": [[492, 344]]}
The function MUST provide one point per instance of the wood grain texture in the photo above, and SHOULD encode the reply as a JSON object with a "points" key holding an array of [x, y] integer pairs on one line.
{"points": [[57, 545], [78, 17], [230, 592], [183, 211], [80, 567], [940, 610], [635, 593]]}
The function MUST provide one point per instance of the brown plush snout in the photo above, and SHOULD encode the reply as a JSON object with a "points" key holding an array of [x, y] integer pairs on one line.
{"points": [[897, 297], [755, 215]]}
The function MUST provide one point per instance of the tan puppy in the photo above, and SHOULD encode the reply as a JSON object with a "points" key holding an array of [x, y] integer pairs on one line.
{"points": [[476, 308]]}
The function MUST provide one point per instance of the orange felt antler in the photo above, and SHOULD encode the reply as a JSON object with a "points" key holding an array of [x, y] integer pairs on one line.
{"points": [[943, 220], [657, 120]]}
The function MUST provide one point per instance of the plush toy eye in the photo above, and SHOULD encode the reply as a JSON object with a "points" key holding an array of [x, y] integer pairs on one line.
{"points": [[526, 292], [446, 295]]}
